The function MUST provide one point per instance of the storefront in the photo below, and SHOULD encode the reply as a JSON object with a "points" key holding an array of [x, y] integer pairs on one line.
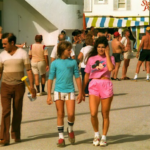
{"points": [[136, 24]]}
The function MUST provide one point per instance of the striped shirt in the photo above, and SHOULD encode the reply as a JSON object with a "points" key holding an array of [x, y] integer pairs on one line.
{"points": [[12, 66]]}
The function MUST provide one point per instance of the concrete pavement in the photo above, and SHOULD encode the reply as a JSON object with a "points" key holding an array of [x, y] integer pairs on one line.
{"points": [[129, 117]]}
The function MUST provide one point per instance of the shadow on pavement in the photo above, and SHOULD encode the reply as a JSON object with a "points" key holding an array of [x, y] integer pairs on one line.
{"points": [[120, 94], [127, 138], [79, 114], [48, 135]]}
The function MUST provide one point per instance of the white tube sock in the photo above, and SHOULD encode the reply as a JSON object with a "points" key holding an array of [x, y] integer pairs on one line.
{"points": [[96, 134], [136, 76]]}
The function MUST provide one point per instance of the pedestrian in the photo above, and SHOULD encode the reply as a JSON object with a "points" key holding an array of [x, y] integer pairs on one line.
{"points": [[82, 57], [117, 48], [67, 38], [40, 64], [127, 54], [13, 61], [83, 35], [98, 70], [76, 37], [61, 37], [64, 68], [144, 55], [108, 36]]}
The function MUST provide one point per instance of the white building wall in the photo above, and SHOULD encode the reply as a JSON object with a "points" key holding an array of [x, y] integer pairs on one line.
{"points": [[108, 10], [47, 17]]}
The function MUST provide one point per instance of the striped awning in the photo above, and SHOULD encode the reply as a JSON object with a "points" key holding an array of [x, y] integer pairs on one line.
{"points": [[108, 22], [141, 19]]}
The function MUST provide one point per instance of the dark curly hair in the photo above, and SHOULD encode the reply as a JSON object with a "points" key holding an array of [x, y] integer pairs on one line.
{"points": [[100, 40], [62, 46]]}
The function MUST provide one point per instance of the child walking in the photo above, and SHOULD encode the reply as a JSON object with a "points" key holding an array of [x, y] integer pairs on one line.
{"points": [[63, 69], [98, 69]]}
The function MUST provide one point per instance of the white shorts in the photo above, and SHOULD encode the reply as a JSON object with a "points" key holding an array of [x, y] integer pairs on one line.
{"points": [[38, 67], [63, 96], [128, 55]]}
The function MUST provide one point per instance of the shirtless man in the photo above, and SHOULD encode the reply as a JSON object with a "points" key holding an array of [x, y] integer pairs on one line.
{"points": [[127, 54], [144, 55], [117, 48]]}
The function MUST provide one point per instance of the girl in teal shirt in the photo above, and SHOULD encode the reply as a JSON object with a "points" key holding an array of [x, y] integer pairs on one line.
{"points": [[63, 69]]}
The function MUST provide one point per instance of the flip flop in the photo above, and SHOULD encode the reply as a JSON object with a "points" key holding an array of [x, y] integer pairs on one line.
{"points": [[127, 78], [112, 78], [117, 79]]}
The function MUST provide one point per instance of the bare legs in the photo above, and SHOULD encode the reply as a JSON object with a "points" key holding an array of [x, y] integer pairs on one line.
{"points": [[70, 104], [115, 71], [94, 102], [125, 67]]}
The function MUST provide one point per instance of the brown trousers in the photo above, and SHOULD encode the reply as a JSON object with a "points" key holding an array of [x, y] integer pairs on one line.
{"points": [[11, 94]]}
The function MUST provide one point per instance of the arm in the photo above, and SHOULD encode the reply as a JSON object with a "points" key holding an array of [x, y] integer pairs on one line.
{"points": [[121, 46], [140, 47], [52, 59], [20, 45], [47, 62], [85, 82], [80, 56], [49, 88], [73, 57], [79, 85], [0, 76], [54, 53], [31, 81], [110, 65]]}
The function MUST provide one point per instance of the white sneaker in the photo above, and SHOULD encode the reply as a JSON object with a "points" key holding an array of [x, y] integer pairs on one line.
{"points": [[103, 143], [38, 94], [96, 141]]}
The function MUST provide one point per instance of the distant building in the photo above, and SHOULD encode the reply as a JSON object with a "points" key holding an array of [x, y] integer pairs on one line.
{"points": [[118, 14], [26, 18]]}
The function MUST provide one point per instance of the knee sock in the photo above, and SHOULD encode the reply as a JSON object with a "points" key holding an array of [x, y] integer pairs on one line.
{"points": [[61, 132], [43, 86], [96, 134], [136, 76], [38, 88], [147, 76], [70, 126], [104, 137]]}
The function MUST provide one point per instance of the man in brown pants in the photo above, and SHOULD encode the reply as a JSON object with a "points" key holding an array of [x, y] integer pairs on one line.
{"points": [[13, 60]]}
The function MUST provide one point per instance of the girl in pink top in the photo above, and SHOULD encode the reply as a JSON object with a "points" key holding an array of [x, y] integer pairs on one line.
{"points": [[98, 69]]}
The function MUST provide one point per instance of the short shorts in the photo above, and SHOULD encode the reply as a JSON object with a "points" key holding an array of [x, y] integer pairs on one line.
{"points": [[39, 67], [64, 96], [117, 57], [144, 55], [128, 55], [102, 88]]}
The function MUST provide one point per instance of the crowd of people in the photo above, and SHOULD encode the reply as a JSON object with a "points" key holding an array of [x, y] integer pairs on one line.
{"points": [[98, 68]]}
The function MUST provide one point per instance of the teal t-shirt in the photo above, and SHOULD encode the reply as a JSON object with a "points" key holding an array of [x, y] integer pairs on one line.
{"points": [[63, 70]]}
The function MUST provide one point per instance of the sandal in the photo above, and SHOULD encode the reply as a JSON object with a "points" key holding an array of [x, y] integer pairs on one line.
{"points": [[117, 79], [127, 78], [112, 78]]}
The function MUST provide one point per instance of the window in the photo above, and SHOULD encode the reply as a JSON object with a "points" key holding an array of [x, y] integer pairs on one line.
{"points": [[100, 1], [87, 5], [122, 4]]}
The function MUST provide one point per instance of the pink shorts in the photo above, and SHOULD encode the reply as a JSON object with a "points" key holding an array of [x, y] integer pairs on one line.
{"points": [[101, 88]]}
